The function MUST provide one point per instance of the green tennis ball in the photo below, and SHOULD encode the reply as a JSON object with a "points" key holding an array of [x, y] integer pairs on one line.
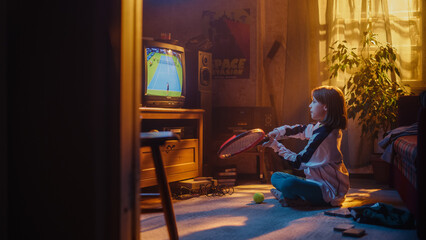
{"points": [[258, 197]]}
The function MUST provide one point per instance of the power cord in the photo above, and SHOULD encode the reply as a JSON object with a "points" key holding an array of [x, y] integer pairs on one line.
{"points": [[208, 190]]}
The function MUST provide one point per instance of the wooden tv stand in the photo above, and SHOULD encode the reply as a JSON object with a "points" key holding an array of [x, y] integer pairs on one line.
{"points": [[182, 159]]}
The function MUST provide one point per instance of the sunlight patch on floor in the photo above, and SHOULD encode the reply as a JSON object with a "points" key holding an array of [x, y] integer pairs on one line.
{"points": [[264, 188], [359, 198]]}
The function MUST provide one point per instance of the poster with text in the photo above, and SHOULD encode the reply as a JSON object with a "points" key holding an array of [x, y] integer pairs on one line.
{"points": [[229, 31]]}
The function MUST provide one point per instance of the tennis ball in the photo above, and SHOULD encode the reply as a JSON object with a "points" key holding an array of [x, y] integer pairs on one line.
{"points": [[258, 197]]}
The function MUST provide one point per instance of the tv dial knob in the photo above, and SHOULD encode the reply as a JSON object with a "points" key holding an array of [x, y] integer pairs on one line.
{"points": [[204, 60]]}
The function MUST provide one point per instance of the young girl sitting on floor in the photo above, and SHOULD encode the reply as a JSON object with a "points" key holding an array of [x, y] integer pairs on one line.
{"points": [[327, 179]]}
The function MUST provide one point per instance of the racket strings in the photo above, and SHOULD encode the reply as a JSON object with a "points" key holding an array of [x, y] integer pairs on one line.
{"points": [[242, 143]]}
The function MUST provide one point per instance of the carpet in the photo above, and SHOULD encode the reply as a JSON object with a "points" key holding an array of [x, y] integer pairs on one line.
{"points": [[237, 217]]}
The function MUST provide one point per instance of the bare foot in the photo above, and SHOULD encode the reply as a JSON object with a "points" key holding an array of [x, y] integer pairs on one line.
{"points": [[279, 196], [288, 202]]}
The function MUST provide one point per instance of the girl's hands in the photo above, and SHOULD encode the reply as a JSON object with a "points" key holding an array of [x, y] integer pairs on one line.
{"points": [[274, 144], [274, 133], [268, 143], [279, 132], [280, 149]]}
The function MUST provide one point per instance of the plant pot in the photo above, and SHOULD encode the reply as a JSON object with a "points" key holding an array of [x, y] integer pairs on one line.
{"points": [[356, 149]]}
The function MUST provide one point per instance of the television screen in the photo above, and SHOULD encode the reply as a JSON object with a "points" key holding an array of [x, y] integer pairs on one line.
{"points": [[164, 72]]}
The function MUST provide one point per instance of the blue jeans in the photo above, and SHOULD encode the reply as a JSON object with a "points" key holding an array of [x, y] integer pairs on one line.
{"points": [[292, 187]]}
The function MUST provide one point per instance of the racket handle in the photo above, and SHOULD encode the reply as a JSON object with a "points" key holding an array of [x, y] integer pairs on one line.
{"points": [[264, 140]]}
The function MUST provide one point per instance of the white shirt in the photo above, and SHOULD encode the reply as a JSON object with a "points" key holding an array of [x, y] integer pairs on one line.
{"points": [[321, 159]]}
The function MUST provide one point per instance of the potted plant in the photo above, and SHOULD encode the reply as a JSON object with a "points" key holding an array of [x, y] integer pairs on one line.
{"points": [[374, 85]]}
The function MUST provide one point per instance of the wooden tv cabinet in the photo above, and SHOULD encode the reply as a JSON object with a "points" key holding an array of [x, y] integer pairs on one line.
{"points": [[182, 159]]}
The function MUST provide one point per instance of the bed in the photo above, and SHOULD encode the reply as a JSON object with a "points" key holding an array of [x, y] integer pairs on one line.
{"points": [[403, 170], [404, 161]]}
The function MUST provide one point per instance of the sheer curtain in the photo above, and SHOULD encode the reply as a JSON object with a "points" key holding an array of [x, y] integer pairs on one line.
{"points": [[396, 22]]}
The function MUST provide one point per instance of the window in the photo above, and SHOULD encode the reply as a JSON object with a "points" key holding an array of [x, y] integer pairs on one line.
{"points": [[396, 22]]}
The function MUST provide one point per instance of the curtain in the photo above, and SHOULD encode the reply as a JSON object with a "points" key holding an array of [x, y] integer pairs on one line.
{"points": [[396, 22], [293, 71], [288, 48]]}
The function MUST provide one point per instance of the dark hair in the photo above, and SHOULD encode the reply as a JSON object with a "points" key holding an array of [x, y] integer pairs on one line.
{"points": [[334, 100]]}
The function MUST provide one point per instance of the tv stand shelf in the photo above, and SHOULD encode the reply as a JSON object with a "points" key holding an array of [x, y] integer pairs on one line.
{"points": [[182, 159]]}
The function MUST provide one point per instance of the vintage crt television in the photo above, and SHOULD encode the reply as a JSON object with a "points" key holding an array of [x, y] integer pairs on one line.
{"points": [[164, 81]]}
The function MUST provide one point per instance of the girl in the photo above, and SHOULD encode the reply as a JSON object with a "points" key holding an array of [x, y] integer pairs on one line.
{"points": [[327, 179]]}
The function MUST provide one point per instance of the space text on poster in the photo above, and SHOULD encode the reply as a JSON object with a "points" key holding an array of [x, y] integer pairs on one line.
{"points": [[229, 68]]}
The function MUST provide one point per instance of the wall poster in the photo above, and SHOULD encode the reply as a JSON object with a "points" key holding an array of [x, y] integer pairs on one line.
{"points": [[229, 31]]}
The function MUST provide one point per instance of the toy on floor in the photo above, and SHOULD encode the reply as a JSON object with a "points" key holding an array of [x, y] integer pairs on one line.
{"points": [[258, 197]]}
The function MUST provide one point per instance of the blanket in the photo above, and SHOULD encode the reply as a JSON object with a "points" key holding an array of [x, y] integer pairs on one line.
{"points": [[392, 135]]}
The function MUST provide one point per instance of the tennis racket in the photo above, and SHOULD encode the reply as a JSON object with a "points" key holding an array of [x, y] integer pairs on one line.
{"points": [[242, 142]]}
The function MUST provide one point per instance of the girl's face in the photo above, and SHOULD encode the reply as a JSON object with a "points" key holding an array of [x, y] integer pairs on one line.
{"points": [[318, 110]]}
